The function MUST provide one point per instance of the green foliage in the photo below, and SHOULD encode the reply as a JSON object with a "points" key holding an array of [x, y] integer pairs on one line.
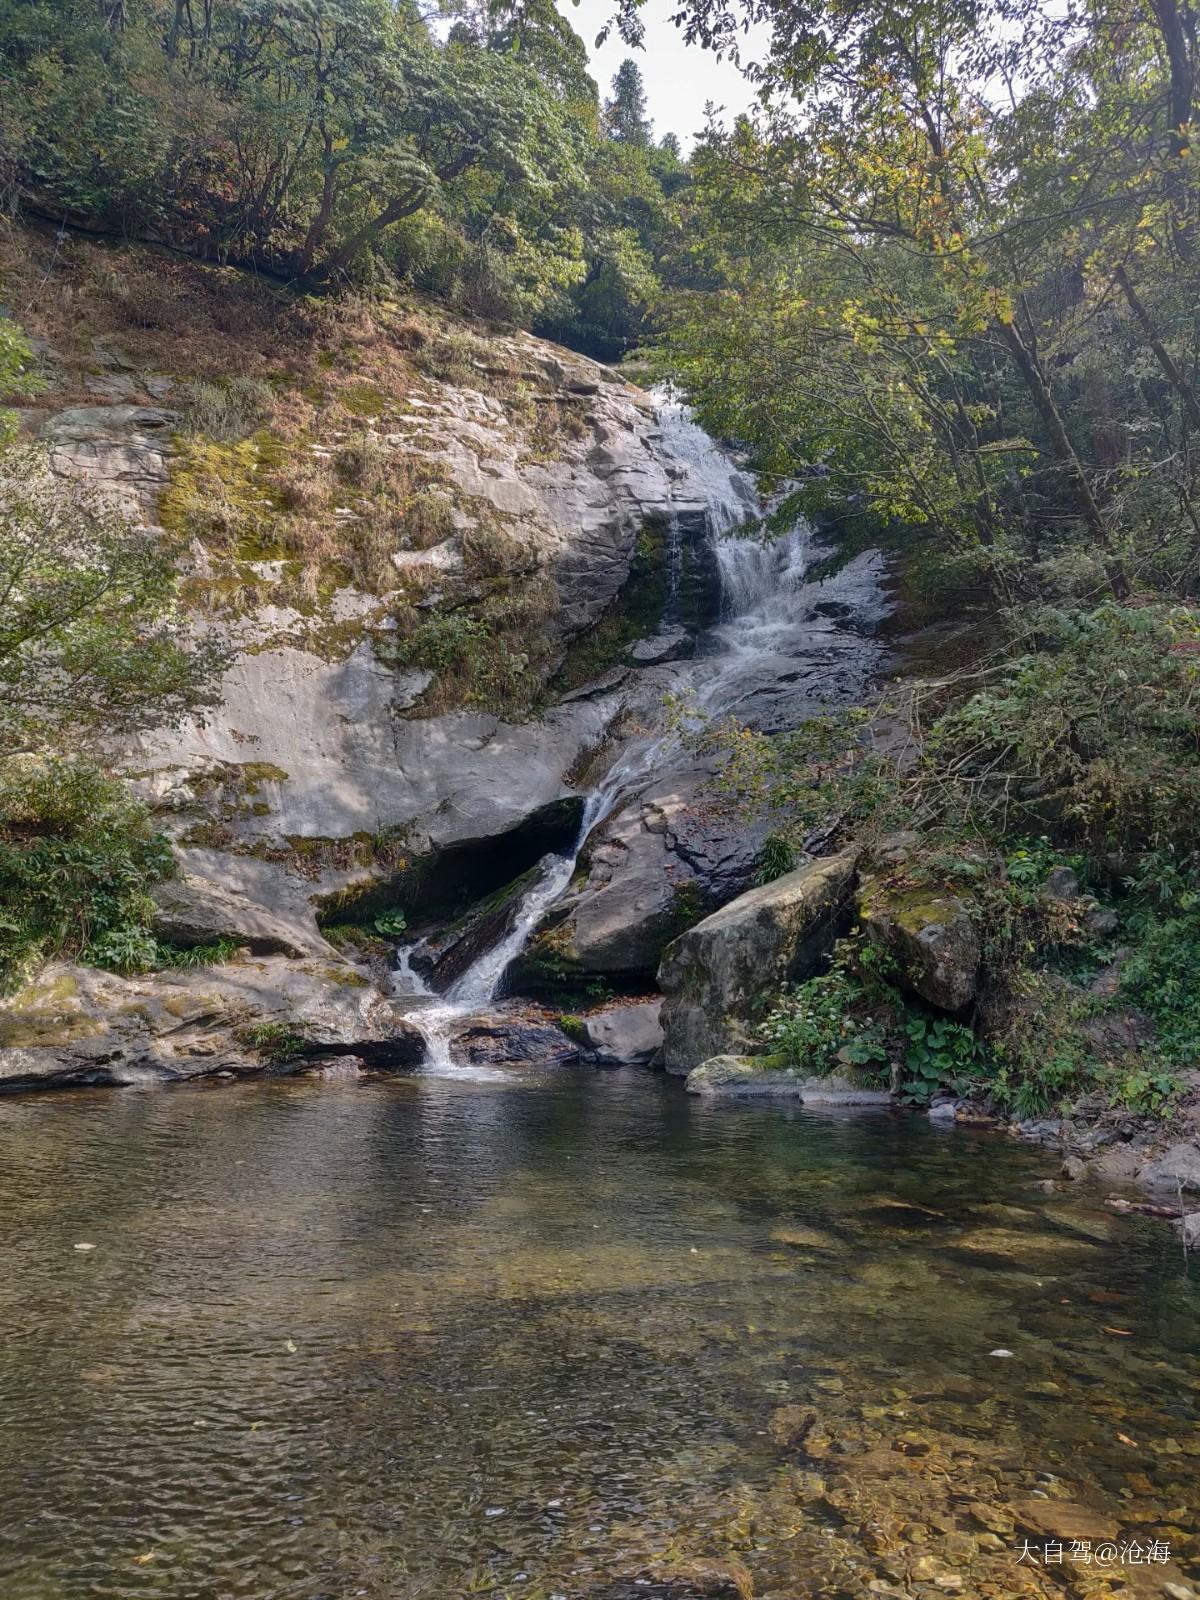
{"points": [[188, 957], [391, 924], [18, 374], [940, 1053], [841, 1019], [573, 1026], [776, 857], [89, 646], [1094, 730], [1160, 977], [275, 1041], [625, 118], [78, 856]]}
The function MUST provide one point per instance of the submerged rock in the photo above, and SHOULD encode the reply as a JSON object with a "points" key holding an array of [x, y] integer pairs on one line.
{"points": [[760, 1075], [728, 1074], [715, 976], [1063, 1520]]}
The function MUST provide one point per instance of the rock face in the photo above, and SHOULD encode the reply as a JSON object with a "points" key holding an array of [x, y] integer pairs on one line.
{"points": [[124, 449], [660, 861], [715, 975], [191, 911], [314, 740], [630, 1036], [931, 939], [77, 1025]]}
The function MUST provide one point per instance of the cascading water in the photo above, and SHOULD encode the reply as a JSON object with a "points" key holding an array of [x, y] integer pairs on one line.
{"points": [[753, 663]]}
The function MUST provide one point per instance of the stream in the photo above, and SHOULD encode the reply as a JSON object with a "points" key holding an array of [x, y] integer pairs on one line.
{"points": [[783, 650], [570, 1334]]}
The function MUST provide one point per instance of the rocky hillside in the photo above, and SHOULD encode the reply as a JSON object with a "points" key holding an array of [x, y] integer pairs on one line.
{"points": [[436, 550]]}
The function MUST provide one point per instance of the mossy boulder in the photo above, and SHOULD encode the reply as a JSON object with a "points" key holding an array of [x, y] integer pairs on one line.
{"points": [[718, 976], [929, 935]]}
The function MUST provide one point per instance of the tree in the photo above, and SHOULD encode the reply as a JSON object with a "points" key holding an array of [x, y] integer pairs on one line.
{"points": [[90, 646], [625, 116], [285, 137]]}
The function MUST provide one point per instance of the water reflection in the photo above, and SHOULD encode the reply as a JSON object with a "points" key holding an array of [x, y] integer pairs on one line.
{"points": [[568, 1335]]}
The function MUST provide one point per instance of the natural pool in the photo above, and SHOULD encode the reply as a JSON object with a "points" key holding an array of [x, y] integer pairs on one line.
{"points": [[571, 1334]]}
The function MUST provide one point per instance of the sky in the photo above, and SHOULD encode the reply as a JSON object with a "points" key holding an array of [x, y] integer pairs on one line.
{"points": [[679, 77]]}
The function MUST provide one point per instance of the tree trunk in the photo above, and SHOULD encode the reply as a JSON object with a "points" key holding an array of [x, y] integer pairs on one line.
{"points": [[1065, 455], [1163, 356]]}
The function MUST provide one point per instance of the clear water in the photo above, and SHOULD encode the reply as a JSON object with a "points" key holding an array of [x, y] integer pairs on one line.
{"points": [[540, 1336]]}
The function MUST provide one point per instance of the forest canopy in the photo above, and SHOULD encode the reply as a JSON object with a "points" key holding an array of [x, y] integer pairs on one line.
{"points": [[320, 140]]}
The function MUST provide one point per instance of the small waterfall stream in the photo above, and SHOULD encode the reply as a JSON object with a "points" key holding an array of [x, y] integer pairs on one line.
{"points": [[740, 665]]}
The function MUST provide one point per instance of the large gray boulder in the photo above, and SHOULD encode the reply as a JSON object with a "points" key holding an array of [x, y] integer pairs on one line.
{"points": [[716, 977], [659, 863], [630, 1036], [77, 1025]]}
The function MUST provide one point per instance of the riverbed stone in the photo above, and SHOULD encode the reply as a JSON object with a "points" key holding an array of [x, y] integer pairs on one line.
{"points": [[716, 976], [1063, 1520], [78, 1025]]}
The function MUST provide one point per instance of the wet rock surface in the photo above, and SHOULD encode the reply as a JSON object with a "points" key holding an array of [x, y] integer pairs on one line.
{"points": [[660, 861], [510, 1036]]}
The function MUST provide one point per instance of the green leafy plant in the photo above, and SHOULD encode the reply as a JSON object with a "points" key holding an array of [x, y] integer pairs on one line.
{"points": [[275, 1041], [940, 1053], [776, 857], [78, 857], [391, 924]]}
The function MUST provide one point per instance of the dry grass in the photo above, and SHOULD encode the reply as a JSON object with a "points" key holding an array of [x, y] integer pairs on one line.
{"points": [[282, 454]]}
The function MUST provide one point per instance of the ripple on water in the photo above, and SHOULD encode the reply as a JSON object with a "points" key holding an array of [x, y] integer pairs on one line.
{"points": [[569, 1334]]}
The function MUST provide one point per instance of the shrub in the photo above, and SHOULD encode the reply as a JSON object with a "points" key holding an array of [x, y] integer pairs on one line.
{"points": [[1094, 734], [78, 856]]}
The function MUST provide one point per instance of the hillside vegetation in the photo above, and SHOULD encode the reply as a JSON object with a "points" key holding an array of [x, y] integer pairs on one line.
{"points": [[942, 290]]}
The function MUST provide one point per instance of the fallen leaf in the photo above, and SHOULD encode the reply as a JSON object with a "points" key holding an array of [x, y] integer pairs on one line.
{"points": [[1122, 1333], [1125, 1439], [144, 1561], [290, 1347]]}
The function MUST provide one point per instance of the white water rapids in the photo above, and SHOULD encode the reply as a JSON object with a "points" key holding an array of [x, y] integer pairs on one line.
{"points": [[760, 663]]}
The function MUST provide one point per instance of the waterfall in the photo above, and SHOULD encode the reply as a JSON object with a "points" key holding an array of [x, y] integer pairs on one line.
{"points": [[757, 646]]}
